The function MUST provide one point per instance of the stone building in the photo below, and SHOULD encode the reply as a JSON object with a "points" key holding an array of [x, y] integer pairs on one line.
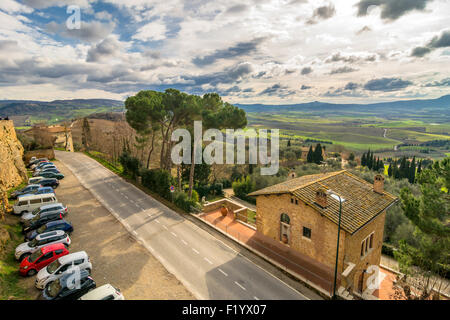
{"points": [[62, 136], [301, 214]]}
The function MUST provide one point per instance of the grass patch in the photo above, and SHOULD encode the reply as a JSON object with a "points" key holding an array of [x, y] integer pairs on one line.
{"points": [[99, 157], [10, 286], [251, 216]]}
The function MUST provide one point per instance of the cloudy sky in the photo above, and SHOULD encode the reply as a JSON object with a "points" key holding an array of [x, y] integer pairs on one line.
{"points": [[250, 51]]}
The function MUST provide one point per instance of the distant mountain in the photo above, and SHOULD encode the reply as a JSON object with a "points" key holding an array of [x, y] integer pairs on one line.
{"points": [[442, 103], [63, 107]]}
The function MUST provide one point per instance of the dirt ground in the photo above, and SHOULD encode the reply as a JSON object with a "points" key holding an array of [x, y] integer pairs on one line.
{"points": [[116, 257]]}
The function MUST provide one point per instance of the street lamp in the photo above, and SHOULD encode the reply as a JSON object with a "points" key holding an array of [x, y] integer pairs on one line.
{"points": [[341, 200]]}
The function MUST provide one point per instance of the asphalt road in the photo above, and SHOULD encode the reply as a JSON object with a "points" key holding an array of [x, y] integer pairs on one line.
{"points": [[206, 266]]}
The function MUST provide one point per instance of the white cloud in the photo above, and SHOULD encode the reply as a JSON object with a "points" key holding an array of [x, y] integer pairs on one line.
{"points": [[151, 31], [12, 6]]}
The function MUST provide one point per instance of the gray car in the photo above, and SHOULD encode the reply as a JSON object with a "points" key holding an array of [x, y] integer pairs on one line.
{"points": [[27, 248], [42, 211]]}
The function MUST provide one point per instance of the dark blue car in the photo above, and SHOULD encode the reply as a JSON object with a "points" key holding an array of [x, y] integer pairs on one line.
{"points": [[50, 226], [43, 190]]}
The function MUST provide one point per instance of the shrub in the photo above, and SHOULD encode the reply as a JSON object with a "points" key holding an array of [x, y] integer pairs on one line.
{"points": [[158, 181], [243, 187], [130, 164], [182, 201]]}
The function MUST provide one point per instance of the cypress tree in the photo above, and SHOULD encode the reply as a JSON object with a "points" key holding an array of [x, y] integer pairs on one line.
{"points": [[419, 168], [310, 157], [364, 160], [318, 157], [412, 171], [390, 170], [289, 143]]}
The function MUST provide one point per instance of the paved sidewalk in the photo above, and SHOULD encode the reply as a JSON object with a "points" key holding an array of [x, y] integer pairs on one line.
{"points": [[317, 276]]}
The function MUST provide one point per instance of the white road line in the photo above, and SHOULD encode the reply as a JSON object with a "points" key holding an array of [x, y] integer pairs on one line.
{"points": [[207, 260], [125, 196], [223, 272], [135, 233], [157, 221], [240, 286], [185, 243], [256, 298], [174, 235], [195, 251], [165, 227]]}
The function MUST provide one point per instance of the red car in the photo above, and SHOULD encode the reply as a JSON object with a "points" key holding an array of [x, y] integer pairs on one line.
{"points": [[41, 258]]}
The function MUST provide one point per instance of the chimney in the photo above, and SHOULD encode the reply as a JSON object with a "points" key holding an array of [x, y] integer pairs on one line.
{"points": [[378, 184], [321, 198]]}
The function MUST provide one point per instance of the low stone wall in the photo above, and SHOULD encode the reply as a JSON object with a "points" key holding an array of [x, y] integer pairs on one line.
{"points": [[218, 204], [42, 153]]}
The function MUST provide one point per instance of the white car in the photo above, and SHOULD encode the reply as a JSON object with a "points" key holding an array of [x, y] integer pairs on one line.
{"points": [[59, 267], [44, 239], [105, 292]]}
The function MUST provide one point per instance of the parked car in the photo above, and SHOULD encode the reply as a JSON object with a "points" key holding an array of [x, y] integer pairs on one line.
{"points": [[41, 258], [62, 225], [58, 268], [58, 176], [54, 207], [105, 292], [37, 162], [44, 190], [43, 170], [38, 222], [49, 182], [30, 189], [28, 203], [65, 287], [35, 180], [27, 248], [44, 165]]}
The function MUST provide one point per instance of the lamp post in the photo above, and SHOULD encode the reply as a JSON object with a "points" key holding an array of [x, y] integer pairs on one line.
{"points": [[337, 197]]}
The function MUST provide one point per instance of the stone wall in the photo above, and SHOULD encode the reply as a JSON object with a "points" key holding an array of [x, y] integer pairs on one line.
{"points": [[218, 204], [41, 153]]}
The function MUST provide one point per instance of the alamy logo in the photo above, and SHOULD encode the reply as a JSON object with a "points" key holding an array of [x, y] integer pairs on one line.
{"points": [[214, 152], [74, 20], [74, 278]]}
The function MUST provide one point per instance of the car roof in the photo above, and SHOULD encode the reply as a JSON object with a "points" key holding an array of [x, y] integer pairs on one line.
{"points": [[47, 206], [72, 256], [32, 196], [52, 247], [48, 179], [100, 292], [52, 223], [33, 185], [50, 234]]}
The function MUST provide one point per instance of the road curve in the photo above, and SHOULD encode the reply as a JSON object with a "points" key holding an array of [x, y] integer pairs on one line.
{"points": [[205, 265]]}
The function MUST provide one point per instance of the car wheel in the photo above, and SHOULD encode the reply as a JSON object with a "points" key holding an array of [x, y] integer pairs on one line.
{"points": [[24, 256], [31, 272]]}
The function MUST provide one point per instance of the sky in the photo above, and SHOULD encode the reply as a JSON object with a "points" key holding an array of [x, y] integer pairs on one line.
{"points": [[249, 51]]}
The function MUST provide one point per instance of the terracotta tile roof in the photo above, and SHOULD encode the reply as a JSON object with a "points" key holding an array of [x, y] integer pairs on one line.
{"points": [[361, 203]]}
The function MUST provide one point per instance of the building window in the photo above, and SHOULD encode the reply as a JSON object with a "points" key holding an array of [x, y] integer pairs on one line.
{"points": [[307, 232], [285, 228], [366, 244], [292, 200], [296, 201]]}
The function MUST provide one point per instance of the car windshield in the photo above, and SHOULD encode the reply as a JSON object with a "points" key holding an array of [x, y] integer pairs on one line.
{"points": [[35, 256], [33, 243], [52, 267], [42, 229], [54, 288], [35, 211]]}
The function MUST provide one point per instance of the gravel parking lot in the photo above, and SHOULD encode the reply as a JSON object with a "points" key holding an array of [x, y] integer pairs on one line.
{"points": [[117, 258]]}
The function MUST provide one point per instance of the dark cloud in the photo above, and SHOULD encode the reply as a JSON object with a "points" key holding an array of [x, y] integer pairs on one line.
{"points": [[322, 13], [344, 69], [351, 86], [277, 90], [306, 70], [89, 31], [338, 57], [305, 87], [387, 84], [441, 83], [238, 50], [392, 9], [229, 75], [441, 41], [237, 8], [107, 48], [8, 45]]}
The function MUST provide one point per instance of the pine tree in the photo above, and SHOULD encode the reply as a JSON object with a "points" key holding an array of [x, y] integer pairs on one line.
{"points": [[310, 157]]}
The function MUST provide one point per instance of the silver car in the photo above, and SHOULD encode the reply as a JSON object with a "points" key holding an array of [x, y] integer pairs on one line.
{"points": [[42, 211], [61, 266], [44, 239]]}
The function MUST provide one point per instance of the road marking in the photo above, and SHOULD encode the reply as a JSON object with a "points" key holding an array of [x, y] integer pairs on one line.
{"points": [[174, 235], [135, 233], [185, 243], [125, 196], [165, 227], [240, 286], [207, 260], [256, 298], [223, 272], [195, 251], [157, 221]]}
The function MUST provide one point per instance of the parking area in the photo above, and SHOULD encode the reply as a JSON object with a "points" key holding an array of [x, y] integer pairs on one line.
{"points": [[116, 257]]}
